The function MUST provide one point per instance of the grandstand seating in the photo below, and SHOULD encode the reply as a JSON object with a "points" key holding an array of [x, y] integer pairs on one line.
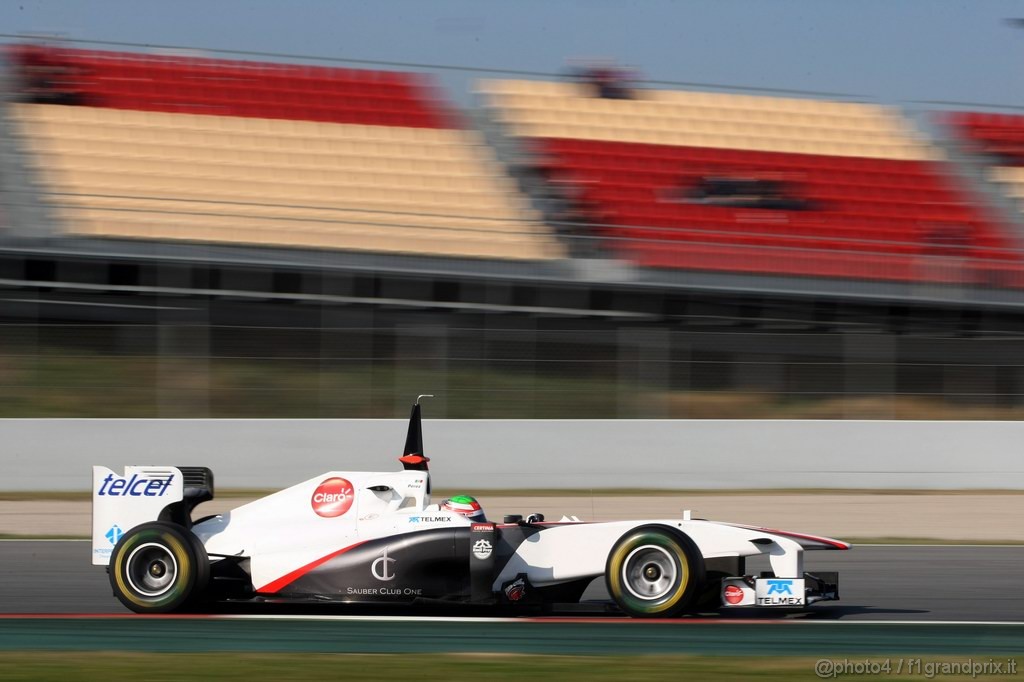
{"points": [[1000, 135], [244, 152], [1000, 139], [875, 200], [1012, 179]]}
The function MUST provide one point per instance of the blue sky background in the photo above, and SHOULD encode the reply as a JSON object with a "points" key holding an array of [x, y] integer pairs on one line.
{"points": [[888, 50]]}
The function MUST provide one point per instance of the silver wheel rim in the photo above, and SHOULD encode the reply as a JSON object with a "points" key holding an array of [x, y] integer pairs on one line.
{"points": [[151, 569], [650, 572]]}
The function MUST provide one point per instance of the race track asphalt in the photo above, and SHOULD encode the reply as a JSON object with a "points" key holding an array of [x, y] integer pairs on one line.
{"points": [[897, 583]]}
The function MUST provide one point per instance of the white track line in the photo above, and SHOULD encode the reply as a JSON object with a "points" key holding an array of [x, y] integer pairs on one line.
{"points": [[598, 619], [1013, 623], [546, 620]]}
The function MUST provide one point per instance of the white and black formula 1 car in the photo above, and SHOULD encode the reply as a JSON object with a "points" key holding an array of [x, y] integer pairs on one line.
{"points": [[360, 537]]}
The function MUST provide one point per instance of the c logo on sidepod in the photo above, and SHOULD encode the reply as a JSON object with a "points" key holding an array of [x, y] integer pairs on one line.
{"points": [[332, 498]]}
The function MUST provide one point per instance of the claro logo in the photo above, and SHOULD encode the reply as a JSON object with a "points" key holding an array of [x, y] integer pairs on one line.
{"points": [[332, 498]]}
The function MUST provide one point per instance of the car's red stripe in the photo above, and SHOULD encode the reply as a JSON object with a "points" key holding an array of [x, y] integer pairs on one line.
{"points": [[838, 544], [289, 578]]}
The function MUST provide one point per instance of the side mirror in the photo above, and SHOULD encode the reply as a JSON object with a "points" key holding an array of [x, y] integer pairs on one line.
{"points": [[535, 518]]}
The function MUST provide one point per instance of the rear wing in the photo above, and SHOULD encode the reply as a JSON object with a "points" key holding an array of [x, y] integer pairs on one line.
{"points": [[143, 494]]}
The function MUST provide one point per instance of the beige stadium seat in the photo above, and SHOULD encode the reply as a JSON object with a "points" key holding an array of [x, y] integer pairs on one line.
{"points": [[234, 168], [665, 130], [223, 224], [287, 183], [1007, 174], [275, 194], [778, 124], [1010, 179]]}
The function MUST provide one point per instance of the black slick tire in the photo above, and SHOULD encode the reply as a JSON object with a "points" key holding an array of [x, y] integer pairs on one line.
{"points": [[654, 571], [158, 568]]}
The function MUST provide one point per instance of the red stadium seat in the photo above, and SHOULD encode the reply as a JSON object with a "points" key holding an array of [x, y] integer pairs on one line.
{"points": [[1000, 135], [865, 217], [253, 89]]}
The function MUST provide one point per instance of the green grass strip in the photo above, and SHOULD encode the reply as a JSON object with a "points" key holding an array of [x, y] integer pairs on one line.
{"points": [[114, 666]]}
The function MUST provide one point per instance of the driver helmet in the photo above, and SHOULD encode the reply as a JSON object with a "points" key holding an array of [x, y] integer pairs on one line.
{"points": [[465, 505]]}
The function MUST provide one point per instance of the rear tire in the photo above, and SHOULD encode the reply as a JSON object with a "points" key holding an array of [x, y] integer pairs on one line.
{"points": [[158, 568], [654, 572]]}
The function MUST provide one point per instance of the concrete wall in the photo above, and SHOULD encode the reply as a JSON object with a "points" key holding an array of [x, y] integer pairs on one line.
{"points": [[56, 454]]}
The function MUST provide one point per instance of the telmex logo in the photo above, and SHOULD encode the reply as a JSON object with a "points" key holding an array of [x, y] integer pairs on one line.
{"points": [[780, 587], [136, 486], [332, 498]]}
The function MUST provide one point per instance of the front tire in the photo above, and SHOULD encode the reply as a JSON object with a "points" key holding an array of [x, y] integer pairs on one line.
{"points": [[654, 572], [158, 568]]}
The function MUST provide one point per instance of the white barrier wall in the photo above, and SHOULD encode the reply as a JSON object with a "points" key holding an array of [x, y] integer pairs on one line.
{"points": [[56, 454]]}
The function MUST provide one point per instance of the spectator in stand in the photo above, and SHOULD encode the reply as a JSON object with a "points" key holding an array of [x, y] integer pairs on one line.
{"points": [[607, 80], [739, 192], [47, 78]]}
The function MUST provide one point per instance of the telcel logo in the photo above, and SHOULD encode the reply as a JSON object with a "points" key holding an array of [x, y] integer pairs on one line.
{"points": [[136, 486], [332, 498]]}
